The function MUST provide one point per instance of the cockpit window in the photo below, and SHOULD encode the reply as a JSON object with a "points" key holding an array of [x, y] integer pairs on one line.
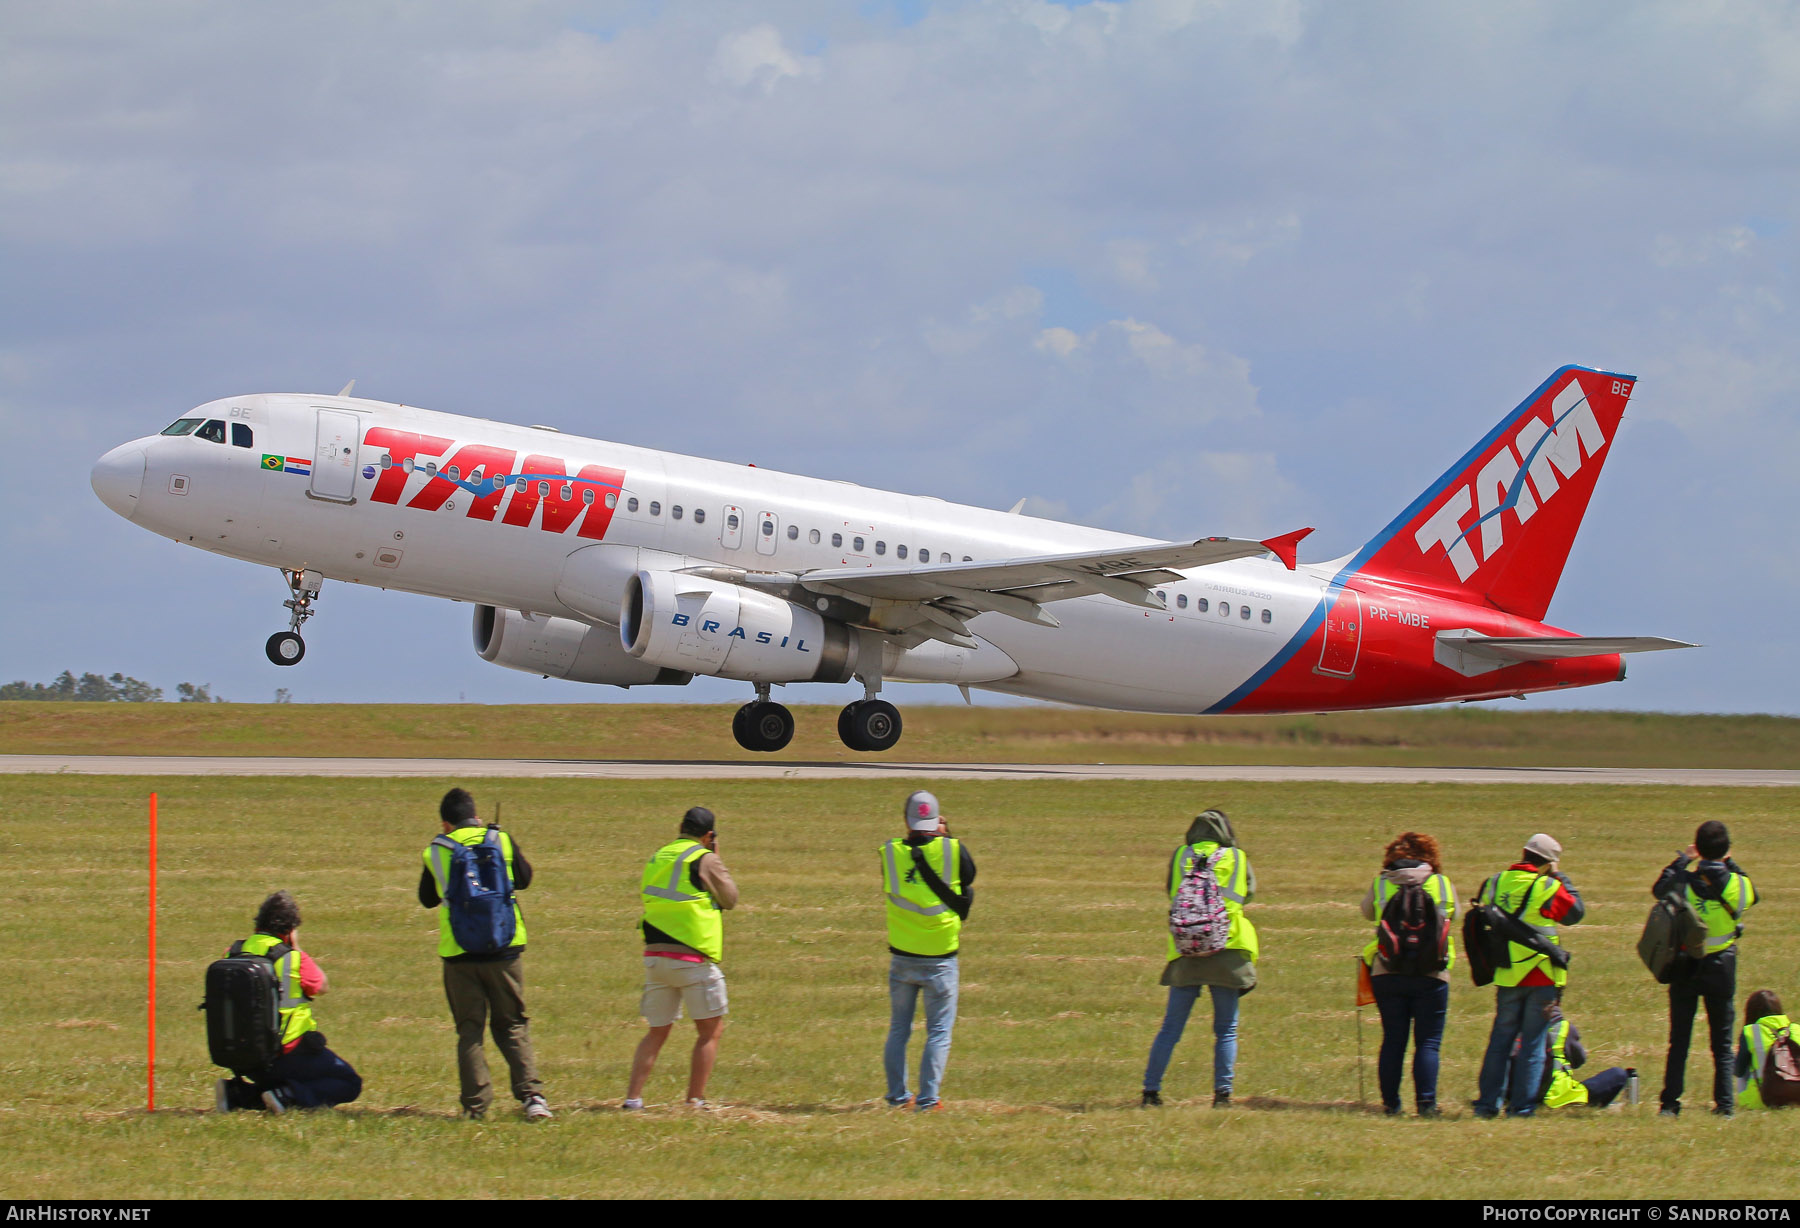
{"points": [[181, 426], [241, 436], [213, 430]]}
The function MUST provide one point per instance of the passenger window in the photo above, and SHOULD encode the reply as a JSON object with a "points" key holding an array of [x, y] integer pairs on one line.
{"points": [[1161, 596], [1200, 604], [837, 540], [1268, 617], [181, 426], [1224, 609], [612, 498], [731, 521], [1181, 601], [408, 465], [543, 487], [387, 460], [699, 515], [631, 504], [1244, 612], [769, 528], [880, 547], [431, 469], [967, 559], [675, 511], [587, 496], [812, 537], [793, 532], [213, 430], [453, 473], [856, 544], [655, 508], [241, 436], [900, 552]]}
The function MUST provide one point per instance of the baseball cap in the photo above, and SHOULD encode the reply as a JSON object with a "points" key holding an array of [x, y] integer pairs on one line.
{"points": [[1543, 846], [698, 820], [922, 811]]}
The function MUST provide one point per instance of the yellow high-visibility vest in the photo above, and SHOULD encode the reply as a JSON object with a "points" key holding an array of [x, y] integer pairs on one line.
{"points": [[437, 860], [673, 906], [296, 1008], [917, 921], [1232, 869]]}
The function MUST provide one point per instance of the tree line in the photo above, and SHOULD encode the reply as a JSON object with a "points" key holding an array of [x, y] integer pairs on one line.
{"points": [[95, 688]]}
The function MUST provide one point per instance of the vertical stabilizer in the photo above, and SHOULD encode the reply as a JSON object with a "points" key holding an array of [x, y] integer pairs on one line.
{"points": [[1500, 523]]}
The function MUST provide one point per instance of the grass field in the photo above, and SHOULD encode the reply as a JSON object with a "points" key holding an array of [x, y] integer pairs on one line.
{"points": [[1468, 735], [1059, 997]]}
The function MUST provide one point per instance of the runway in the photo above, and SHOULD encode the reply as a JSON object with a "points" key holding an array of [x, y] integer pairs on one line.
{"points": [[658, 769]]}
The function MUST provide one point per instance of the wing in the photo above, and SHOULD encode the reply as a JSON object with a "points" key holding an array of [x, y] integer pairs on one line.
{"points": [[935, 601], [1470, 653]]}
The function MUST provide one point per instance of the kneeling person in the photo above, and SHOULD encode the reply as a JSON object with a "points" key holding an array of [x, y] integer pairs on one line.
{"points": [[306, 1075], [1563, 1055]]}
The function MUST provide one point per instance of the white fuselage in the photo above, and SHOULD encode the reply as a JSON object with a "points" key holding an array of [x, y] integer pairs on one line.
{"points": [[339, 506]]}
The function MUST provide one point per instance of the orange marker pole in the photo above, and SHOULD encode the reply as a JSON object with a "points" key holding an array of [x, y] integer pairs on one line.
{"points": [[150, 1073]]}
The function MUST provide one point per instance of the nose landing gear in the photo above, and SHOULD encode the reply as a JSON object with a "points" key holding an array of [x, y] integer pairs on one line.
{"points": [[286, 647], [762, 724]]}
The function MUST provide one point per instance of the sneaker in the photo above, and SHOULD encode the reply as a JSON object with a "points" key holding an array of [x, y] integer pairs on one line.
{"points": [[274, 1101], [222, 1096], [1151, 1100], [1670, 1110], [474, 1114], [1221, 1100], [1483, 1114], [1430, 1110], [694, 1102], [1724, 1110], [537, 1108], [901, 1103], [936, 1106], [633, 1105], [1390, 1110]]}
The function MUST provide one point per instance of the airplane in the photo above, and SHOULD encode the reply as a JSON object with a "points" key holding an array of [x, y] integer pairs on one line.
{"points": [[607, 563]]}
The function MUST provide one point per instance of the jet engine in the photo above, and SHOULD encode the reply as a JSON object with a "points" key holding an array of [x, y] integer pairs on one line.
{"points": [[701, 626], [563, 648]]}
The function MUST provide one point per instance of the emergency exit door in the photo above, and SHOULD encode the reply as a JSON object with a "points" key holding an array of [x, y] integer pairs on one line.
{"points": [[1343, 636], [334, 456]]}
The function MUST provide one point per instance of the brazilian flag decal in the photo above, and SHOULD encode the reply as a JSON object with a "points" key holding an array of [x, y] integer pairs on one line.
{"points": [[272, 462]]}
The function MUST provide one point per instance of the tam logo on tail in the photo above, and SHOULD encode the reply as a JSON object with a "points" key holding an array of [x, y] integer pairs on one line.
{"points": [[1502, 520]]}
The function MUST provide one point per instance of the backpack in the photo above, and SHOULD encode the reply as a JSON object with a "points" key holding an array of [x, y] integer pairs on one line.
{"points": [[243, 1010], [1673, 937], [1197, 918], [1489, 932], [1780, 1081], [478, 891], [1413, 935]]}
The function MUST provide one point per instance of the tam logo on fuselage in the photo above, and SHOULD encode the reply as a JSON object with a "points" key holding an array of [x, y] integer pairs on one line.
{"points": [[1544, 450], [490, 476]]}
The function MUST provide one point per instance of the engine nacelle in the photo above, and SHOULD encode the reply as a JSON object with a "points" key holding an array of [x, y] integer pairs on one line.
{"points": [[683, 622], [563, 648]]}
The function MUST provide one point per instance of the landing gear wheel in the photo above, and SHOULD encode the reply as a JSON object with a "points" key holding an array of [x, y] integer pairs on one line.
{"points": [[763, 726], [285, 648], [869, 725]]}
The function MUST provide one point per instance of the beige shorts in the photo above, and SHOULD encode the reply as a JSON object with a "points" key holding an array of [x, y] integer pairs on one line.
{"points": [[672, 985]]}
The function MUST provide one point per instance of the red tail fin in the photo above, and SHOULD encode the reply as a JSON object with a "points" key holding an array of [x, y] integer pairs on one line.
{"points": [[1501, 521]]}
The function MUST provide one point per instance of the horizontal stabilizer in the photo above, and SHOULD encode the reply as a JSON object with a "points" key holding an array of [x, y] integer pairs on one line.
{"points": [[1470, 653]]}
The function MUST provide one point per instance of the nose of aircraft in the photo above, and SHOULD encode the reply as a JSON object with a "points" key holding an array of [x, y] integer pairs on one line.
{"points": [[117, 478]]}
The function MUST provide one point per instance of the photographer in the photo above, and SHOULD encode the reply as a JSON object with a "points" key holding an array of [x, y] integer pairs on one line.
{"points": [[1544, 898]]}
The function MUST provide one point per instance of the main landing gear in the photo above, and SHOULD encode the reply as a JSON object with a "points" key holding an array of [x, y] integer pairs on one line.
{"points": [[286, 647], [868, 725], [763, 724]]}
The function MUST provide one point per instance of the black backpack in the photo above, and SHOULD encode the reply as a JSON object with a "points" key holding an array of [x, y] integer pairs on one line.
{"points": [[1413, 935], [1489, 932], [243, 1010]]}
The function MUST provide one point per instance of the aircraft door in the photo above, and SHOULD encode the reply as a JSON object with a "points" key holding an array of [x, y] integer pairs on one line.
{"points": [[334, 456], [731, 527], [1343, 635], [768, 527]]}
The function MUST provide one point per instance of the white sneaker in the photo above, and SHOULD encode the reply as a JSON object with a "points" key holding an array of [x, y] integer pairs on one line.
{"points": [[537, 1109], [635, 1105], [274, 1101], [694, 1102]]}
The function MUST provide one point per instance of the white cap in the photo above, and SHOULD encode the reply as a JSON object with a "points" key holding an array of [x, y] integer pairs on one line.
{"points": [[922, 812], [1543, 846]]}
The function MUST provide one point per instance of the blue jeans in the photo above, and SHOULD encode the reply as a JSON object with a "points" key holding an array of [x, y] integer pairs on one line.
{"points": [[1225, 1021], [1416, 1005], [1518, 1015], [313, 1075], [908, 975]]}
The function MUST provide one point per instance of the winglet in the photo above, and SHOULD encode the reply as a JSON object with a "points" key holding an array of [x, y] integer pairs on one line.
{"points": [[345, 390], [1285, 547]]}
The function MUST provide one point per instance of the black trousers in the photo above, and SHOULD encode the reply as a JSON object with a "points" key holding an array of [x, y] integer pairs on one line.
{"points": [[1714, 981]]}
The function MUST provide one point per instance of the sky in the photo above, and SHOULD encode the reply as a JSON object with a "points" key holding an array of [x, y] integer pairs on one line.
{"points": [[1174, 268]]}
